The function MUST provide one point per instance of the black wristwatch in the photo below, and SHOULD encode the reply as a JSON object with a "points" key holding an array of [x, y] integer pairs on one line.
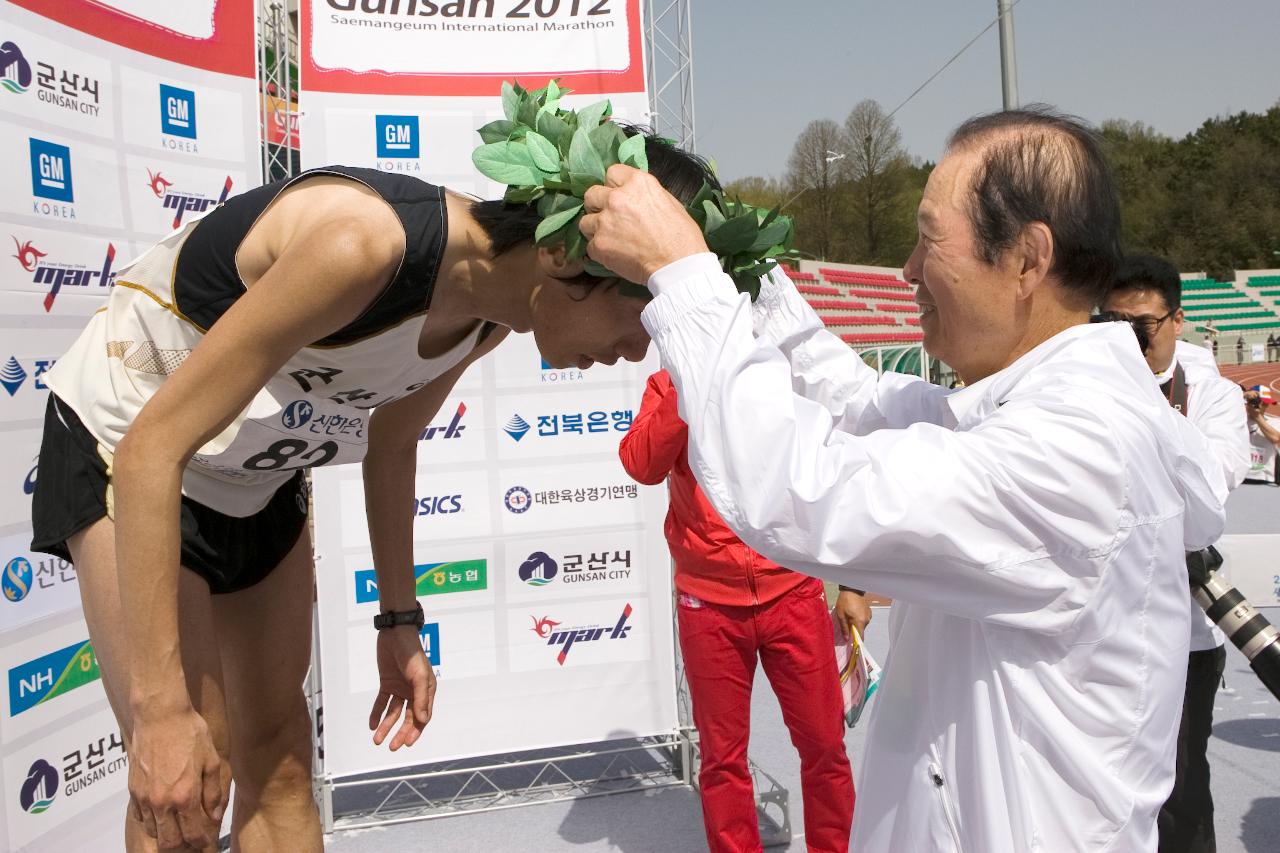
{"points": [[392, 618], [844, 588]]}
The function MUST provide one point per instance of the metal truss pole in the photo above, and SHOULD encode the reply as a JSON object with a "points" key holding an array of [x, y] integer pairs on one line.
{"points": [[669, 45], [277, 54]]}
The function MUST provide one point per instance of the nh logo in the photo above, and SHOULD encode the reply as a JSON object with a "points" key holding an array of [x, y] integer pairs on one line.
{"points": [[51, 171], [397, 136], [36, 683], [177, 111]]}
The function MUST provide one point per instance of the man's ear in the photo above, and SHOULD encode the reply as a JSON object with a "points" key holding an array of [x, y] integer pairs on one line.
{"points": [[1036, 257], [553, 262]]}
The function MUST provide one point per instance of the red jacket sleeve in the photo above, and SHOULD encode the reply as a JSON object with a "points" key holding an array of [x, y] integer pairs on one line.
{"points": [[657, 435]]}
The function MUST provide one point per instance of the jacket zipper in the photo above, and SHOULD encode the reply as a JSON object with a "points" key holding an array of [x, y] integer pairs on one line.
{"points": [[939, 785]]}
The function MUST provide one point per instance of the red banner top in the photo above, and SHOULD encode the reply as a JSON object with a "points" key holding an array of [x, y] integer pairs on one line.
{"points": [[316, 78], [229, 50]]}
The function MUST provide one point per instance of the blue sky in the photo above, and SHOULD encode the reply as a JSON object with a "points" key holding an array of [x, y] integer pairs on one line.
{"points": [[763, 70]]}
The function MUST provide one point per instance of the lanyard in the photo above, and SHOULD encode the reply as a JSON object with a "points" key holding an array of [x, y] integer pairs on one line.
{"points": [[1175, 390]]}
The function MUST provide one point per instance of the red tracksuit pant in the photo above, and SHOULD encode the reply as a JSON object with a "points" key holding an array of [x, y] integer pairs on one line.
{"points": [[792, 636]]}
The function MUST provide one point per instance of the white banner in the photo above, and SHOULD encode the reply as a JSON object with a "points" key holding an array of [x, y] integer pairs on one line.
{"points": [[540, 564], [118, 118]]}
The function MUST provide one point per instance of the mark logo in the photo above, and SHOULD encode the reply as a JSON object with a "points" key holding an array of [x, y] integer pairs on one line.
{"points": [[158, 183], [453, 430], [15, 71], [177, 111], [28, 255], [51, 171], [582, 634], [544, 626], [182, 202], [55, 275]]}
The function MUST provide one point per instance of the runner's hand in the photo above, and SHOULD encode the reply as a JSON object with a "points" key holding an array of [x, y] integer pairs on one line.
{"points": [[405, 677], [175, 781]]}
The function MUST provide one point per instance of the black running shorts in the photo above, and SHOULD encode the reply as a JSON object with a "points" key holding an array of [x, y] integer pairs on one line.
{"points": [[230, 553]]}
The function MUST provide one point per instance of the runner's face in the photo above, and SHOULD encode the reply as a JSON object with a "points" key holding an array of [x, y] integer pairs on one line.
{"points": [[576, 325]]}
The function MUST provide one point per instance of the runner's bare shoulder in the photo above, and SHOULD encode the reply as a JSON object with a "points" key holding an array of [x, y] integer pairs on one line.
{"points": [[324, 202]]}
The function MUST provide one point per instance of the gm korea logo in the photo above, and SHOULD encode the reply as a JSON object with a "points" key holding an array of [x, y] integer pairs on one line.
{"points": [[51, 171], [397, 136], [177, 111]]}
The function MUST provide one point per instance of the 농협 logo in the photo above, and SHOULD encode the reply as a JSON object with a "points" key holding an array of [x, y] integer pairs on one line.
{"points": [[51, 171], [517, 499], [516, 427], [544, 627], [539, 569], [40, 787], [430, 579], [397, 136], [15, 581], [177, 111], [49, 676], [15, 71]]}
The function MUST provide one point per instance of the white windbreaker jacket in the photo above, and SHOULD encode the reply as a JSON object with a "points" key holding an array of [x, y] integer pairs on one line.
{"points": [[1024, 527]]}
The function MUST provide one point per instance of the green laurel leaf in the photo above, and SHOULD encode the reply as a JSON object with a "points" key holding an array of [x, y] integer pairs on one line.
{"points": [[507, 163], [555, 222], [545, 155], [583, 157], [632, 152]]}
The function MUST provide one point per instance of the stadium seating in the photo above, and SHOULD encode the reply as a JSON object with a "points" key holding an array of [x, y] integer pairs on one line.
{"points": [[865, 307]]}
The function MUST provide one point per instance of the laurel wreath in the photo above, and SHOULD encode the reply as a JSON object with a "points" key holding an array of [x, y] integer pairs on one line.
{"points": [[550, 156]]}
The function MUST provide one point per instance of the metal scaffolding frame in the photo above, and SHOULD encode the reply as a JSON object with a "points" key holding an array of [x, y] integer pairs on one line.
{"points": [[669, 43], [277, 62]]}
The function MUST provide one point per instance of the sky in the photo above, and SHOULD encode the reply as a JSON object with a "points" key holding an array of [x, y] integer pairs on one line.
{"points": [[763, 69]]}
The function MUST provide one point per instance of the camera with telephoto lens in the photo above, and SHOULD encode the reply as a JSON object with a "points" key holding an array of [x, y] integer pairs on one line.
{"points": [[1248, 630]]}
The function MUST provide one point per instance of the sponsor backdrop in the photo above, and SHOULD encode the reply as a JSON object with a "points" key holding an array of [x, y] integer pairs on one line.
{"points": [[118, 120], [540, 564]]}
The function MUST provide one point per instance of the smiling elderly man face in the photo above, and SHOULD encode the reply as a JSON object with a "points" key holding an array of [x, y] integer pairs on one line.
{"points": [[1017, 239]]}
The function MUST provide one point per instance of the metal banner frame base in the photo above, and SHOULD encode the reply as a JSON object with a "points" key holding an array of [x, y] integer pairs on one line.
{"points": [[494, 783]]}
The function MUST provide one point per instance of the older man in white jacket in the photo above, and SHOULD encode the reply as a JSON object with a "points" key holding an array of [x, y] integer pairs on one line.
{"points": [[1024, 526]]}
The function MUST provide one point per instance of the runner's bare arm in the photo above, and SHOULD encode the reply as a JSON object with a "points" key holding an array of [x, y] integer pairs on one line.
{"points": [[389, 467], [325, 274]]}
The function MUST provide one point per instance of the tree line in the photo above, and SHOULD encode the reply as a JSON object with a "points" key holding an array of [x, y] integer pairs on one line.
{"points": [[1209, 201]]}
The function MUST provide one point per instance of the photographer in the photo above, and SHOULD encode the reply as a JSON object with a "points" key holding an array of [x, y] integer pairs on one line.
{"points": [[1148, 293], [1264, 439]]}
